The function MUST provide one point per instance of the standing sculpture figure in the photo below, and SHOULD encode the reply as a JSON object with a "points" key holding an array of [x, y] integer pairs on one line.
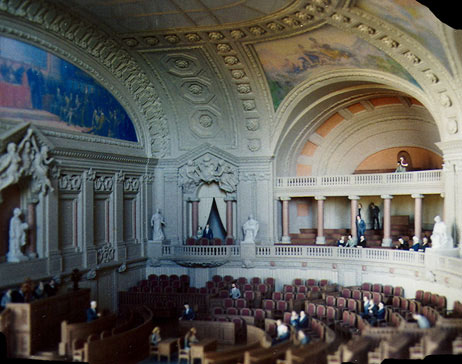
{"points": [[250, 228], [401, 165], [440, 238], [156, 222], [17, 237]]}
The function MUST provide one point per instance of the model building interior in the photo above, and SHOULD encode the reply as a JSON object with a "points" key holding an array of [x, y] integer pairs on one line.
{"points": [[185, 180]]}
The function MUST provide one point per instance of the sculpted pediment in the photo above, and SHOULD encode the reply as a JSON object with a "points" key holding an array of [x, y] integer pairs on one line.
{"points": [[208, 165], [24, 153]]}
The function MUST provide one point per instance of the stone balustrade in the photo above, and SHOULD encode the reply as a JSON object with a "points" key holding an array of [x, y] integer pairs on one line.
{"points": [[361, 184], [303, 252]]}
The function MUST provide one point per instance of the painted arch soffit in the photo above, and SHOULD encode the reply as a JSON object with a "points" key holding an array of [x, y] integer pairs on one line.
{"points": [[395, 51], [76, 40]]}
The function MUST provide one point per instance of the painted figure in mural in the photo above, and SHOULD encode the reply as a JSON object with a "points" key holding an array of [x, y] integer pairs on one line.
{"points": [[250, 228], [36, 84], [157, 221], [440, 238], [401, 165], [17, 237]]}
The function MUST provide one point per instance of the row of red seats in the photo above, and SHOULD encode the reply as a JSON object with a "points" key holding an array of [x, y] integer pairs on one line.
{"points": [[205, 241]]}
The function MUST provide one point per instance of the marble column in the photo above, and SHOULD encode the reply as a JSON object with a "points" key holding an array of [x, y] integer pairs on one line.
{"points": [[229, 218], [285, 220], [353, 213], [418, 215], [194, 216], [320, 238], [386, 241]]}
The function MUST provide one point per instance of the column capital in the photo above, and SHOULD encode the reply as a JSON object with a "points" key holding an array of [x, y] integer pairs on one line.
{"points": [[386, 197], [353, 197], [319, 198], [417, 195], [194, 199], [285, 198]]}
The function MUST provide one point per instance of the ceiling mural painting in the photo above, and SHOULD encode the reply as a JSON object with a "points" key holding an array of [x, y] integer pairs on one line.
{"points": [[411, 17], [40, 88], [288, 62]]}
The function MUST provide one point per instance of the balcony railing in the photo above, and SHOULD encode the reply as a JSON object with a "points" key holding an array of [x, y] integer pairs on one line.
{"points": [[277, 252], [425, 181]]}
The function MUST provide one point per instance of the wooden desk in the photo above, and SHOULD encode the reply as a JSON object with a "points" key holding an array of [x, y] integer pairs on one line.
{"points": [[199, 349], [166, 348]]}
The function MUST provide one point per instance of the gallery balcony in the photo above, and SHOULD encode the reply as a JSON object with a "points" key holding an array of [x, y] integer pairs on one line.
{"points": [[419, 182]]}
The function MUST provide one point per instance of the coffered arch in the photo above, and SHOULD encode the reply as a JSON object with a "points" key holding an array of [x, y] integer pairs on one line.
{"points": [[307, 108]]}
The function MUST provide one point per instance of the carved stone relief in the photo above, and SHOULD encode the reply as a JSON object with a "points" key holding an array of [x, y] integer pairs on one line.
{"points": [[28, 158], [207, 169], [70, 182]]}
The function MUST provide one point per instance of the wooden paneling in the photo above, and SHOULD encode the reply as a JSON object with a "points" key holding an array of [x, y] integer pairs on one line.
{"points": [[37, 325]]}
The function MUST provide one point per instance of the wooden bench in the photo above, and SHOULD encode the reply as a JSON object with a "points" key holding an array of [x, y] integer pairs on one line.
{"points": [[256, 338], [223, 332], [72, 333], [37, 325], [313, 353], [127, 347], [265, 355]]}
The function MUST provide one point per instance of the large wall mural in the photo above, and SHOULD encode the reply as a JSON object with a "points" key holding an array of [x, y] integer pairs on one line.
{"points": [[413, 18], [39, 87], [288, 62]]}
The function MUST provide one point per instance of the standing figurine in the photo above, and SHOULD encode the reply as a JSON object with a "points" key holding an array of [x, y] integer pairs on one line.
{"points": [[17, 237], [401, 165], [157, 221]]}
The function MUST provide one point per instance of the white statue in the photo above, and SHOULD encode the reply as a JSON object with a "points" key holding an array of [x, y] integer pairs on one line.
{"points": [[17, 237], [250, 228], [156, 222], [40, 164], [440, 237]]}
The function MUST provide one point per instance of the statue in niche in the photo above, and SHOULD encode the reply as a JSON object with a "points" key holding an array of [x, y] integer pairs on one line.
{"points": [[440, 237], [250, 228], [157, 221], [17, 237]]}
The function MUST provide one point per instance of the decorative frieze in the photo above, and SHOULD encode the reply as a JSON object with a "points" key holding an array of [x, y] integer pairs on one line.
{"points": [[106, 253], [131, 184], [70, 182], [103, 183]]}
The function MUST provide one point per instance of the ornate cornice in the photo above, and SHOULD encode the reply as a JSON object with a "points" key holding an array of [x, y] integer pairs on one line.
{"points": [[100, 47]]}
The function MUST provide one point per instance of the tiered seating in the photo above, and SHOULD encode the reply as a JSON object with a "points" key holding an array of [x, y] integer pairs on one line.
{"points": [[162, 284]]}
